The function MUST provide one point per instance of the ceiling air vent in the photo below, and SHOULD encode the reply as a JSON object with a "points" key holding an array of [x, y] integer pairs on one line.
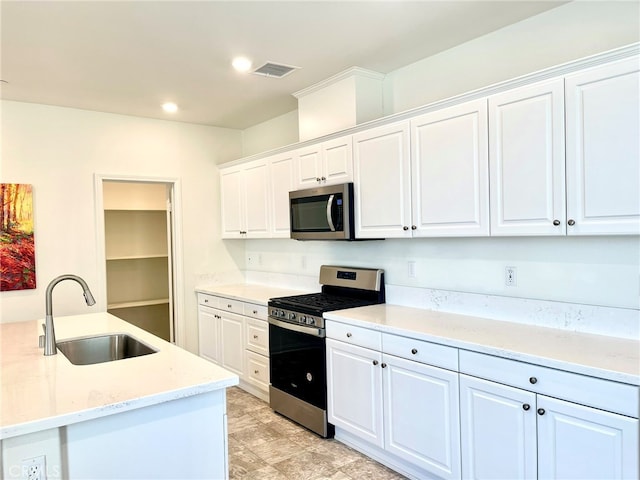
{"points": [[275, 70]]}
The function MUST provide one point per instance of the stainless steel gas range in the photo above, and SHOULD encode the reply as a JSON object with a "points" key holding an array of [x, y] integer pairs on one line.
{"points": [[297, 342]]}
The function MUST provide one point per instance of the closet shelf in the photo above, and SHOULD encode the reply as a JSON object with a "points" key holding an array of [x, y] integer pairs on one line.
{"points": [[137, 257], [140, 303]]}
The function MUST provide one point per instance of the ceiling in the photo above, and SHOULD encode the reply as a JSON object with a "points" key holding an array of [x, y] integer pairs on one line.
{"points": [[129, 57]]}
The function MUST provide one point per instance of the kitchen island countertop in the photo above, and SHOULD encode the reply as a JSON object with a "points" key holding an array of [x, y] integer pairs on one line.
{"points": [[41, 392]]}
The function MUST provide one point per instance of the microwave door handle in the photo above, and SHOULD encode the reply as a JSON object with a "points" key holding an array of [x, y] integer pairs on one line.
{"points": [[329, 216]]}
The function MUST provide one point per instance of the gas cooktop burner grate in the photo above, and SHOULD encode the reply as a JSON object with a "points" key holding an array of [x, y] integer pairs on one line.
{"points": [[320, 302]]}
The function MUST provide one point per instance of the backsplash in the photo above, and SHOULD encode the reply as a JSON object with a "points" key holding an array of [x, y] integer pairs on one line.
{"points": [[586, 284]]}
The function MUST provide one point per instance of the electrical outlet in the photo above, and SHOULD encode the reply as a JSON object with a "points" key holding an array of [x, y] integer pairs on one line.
{"points": [[510, 276], [411, 268], [34, 468]]}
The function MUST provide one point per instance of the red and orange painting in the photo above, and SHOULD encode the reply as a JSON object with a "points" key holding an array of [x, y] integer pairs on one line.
{"points": [[17, 247]]}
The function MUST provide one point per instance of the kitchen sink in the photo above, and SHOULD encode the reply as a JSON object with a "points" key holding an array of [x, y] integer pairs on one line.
{"points": [[103, 348]]}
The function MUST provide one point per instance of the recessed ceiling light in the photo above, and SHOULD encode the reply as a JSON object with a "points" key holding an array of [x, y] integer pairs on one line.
{"points": [[241, 64], [170, 107]]}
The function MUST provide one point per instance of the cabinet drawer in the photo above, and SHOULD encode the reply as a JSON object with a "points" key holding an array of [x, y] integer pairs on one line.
{"points": [[257, 336], [231, 305], [354, 335], [258, 370], [208, 300], [594, 392], [420, 351], [255, 311]]}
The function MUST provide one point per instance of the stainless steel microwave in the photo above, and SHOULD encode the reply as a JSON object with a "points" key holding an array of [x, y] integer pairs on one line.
{"points": [[322, 213]]}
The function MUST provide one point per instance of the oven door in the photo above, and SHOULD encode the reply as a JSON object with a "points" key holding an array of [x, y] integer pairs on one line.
{"points": [[297, 362]]}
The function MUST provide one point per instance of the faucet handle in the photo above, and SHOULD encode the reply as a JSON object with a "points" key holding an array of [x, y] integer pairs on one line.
{"points": [[41, 337]]}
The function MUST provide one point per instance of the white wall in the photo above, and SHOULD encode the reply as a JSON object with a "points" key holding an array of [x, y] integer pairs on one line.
{"points": [[59, 150], [566, 33], [277, 132]]}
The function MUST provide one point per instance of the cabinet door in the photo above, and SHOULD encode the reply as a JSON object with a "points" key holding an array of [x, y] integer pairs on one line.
{"points": [[232, 342], [526, 159], [421, 414], [498, 430], [209, 334], [354, 390], [309, 166], [232, 202], [450, 171], [577, 442], [282, 181], [337, 161], [603, 149], [382, 182], [256, 199]]}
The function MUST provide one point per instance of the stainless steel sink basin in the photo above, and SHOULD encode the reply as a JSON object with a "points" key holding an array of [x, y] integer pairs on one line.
{"points": [[104, 348]]}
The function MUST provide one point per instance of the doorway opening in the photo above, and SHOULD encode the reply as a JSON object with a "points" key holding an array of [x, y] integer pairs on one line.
{"points": [[140, 252]]}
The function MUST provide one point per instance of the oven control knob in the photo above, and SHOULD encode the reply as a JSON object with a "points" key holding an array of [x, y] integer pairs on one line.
{"points": [[292, 316], [311, 321], [303, 319], [281, 313]]}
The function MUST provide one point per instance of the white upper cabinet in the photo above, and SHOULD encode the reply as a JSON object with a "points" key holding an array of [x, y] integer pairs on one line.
{"points": [[326, 163], [526, 158], [282, 181], [449, 170], [245, 200], [382, 182], [603, 149]]}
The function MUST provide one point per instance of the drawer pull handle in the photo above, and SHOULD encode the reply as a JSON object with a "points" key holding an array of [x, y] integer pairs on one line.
{"points": [[526, 407], [541, 411], [414, 350], [349, 335], [533, 380], [384, 365], [375, 362]]}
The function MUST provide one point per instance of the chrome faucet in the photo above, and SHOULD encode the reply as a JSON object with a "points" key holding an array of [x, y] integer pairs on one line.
{"points": [[49, 331]]}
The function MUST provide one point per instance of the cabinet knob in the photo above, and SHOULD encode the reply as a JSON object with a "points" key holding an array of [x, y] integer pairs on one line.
{"points": [[414, 350], [405, 228], [541, 411], [375, 362], [324, 179], [384, 365], [348, 334], [533, 380], [318, 179], [228, 305], [206, 300], [255, 312], [413, 227], [526, 407], [556, 222], [255, 337], [571, 222], [256, 371]]}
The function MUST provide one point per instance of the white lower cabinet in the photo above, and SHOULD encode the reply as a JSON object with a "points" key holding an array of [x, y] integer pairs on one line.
{"points": [[406, 411], [235, 335], [511, 432]]}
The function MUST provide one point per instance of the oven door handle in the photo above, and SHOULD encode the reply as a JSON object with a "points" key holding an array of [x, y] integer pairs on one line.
{"points": [[316, 332]]}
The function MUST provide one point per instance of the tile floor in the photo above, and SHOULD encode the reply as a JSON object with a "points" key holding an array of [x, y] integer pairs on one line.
{"points": [[266, 446]]}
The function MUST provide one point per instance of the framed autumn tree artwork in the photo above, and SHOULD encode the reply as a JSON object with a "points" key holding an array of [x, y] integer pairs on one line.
{"points": [[17, 247]]}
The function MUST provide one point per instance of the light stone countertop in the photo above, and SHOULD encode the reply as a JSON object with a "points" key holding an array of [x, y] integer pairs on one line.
{"points": [[41, 392], [599, 356], [251, 293]]}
